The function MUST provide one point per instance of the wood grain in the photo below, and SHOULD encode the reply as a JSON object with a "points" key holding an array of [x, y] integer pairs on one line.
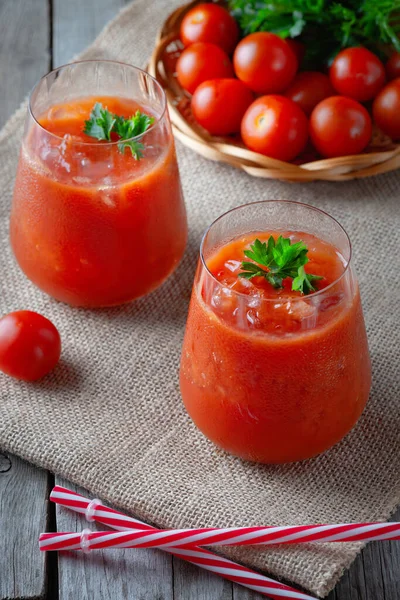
{"points": [[77, 22], [374, 575], [24, 58], [24, 50], [23, 516], [191, 582], [111, 574]]}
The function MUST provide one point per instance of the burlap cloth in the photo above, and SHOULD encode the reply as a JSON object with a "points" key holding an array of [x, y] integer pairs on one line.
{"points": [[110, 417]]}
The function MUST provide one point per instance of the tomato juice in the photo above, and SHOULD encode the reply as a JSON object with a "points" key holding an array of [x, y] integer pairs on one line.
{"points": [[92, 226], [268, 374]]}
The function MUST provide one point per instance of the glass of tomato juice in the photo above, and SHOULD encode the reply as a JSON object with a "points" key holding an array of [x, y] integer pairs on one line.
{"points": [[91, 225], [273, 375]]}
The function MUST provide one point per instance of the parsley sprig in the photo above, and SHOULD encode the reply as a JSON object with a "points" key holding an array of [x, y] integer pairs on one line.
{"points": [[281, 259], [102, 123]]}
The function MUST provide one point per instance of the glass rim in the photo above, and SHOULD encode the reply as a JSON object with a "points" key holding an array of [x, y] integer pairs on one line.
{"points": [[295, 202], [105, 143]]}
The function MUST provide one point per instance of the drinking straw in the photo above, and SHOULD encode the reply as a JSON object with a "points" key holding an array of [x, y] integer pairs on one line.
{"points": [[239, 536], [95, 511]]}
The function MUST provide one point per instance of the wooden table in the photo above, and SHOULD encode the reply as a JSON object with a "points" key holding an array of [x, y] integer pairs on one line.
{"points": [[35, 36]]}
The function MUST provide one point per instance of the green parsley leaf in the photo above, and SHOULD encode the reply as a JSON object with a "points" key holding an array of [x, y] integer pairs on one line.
{"points": [[136, 148], [281, 260], [303, 282], [102, 122], [136, 125]]}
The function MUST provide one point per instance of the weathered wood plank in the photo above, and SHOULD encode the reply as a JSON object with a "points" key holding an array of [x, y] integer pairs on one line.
{"points": [[241, 593], [23, 516], [24, 58], [24, 50], [112, 574], [197, 584], [375, 575], [76, 23]]}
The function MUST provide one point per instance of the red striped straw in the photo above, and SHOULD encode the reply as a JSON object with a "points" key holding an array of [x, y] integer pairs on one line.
{"points": [[95, 511], [241, 536]]}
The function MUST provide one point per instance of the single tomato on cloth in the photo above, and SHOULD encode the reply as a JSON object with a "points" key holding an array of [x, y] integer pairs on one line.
{"points": [[265, 63], [308, 88], [386, 109], [340, 126], [30, 345], [219, 105], [210, 23], [275, 126], [357, 73], [200, 62]]}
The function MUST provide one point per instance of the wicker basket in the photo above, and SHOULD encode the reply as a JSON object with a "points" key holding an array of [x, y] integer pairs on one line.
{"points": [[380, 156]]}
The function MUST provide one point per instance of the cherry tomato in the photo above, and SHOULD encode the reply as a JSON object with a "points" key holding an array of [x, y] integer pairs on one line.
{"points": [[275, 126], [30, 345], [265, 63], [393, 66], [214, 109], [357, 73], [386, 109], [200, 62], [210, 23], [298, 49], [340, 126], [308, 89]]}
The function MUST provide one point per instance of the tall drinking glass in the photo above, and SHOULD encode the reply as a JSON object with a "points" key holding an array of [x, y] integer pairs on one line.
{"points": [[269, 374], [91, 225]]}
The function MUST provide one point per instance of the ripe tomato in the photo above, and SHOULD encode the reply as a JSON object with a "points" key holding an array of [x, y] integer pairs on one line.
{"points": [[340, 126], [386, 109], [30, 345], [308, 89], [210, 23], [265, 63], [219, 105], [393, 66], [275, 126], [357, 73], [200, 62]]}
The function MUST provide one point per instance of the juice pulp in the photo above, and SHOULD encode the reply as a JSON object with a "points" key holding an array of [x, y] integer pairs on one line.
{"points": [[270, 375], [89, 225]]}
